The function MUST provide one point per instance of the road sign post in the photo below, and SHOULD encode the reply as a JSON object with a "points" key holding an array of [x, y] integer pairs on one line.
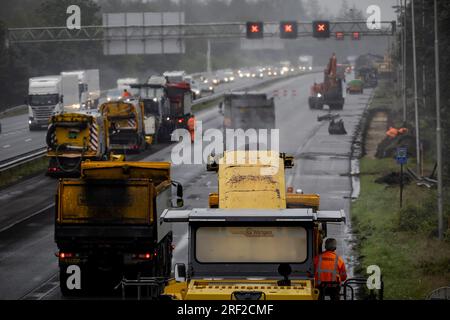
{"points": [[402, 159]]}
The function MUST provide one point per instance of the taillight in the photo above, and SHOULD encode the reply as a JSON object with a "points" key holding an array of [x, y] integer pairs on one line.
{"points": [[65, 255], [145, 256], [180, 120]]}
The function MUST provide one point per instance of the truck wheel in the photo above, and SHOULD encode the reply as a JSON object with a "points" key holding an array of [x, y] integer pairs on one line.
{"points": [[312, 102]]}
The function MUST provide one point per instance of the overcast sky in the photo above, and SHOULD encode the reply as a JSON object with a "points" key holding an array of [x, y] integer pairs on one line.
{"points": [[387, 13]]}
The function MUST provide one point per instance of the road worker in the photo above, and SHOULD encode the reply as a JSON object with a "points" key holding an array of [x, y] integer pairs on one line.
{"points": [[329, 271], [126, 94], [191, 128]]}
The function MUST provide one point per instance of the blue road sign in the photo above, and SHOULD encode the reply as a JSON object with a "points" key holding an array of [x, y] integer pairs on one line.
{"points": [[402, 155]]}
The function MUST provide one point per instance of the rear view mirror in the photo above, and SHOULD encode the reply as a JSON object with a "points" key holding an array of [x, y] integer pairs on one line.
{"points": [[61, 99], [178, 203], [180, 272]]}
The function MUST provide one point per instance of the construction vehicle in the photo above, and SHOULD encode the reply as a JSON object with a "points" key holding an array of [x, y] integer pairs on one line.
{"points": [[108, 223], [305, 63], [355, 86], [74, 137], [244, 111], [166, 105], [125, 125], [256, 241], [368, 75], [330, 92], [88, 89], [248, 110]]}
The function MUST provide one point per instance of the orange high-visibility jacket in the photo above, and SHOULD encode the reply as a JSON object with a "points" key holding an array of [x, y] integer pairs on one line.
{"points": [[191, 124], [329, 267], [392, 132]]}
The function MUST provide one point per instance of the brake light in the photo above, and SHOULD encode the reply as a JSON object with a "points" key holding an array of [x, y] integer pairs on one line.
{"points": [[65, 255], [180, 120], [145, 256]]}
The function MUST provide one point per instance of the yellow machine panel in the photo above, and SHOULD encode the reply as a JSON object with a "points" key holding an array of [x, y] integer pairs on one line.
{"points": [[251, 185], [224, 289]]}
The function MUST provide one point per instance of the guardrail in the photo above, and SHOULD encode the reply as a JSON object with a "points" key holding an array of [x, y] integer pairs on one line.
{"points": [[21, 159]]}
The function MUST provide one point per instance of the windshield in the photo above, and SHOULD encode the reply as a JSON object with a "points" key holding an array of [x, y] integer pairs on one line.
{"points": [[251, 244], [43, 99]]}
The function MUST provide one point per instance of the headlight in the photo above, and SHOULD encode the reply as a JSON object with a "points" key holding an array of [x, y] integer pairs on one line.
{"points": [[29, 121], [168, 118], [232, 79], [155, 99], [108, 99], [310, 68], [319, 95], [211, 88], [226, 79]]}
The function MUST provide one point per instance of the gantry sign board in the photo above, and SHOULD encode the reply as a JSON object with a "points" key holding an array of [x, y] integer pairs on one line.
{"points": [[141, 33], [264, 43], [159, 33]]}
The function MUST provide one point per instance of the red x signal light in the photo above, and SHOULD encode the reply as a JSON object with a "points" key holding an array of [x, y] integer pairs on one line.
{"points": [[255, 30], [339, 35], [356, 35], [321, 29], [288, 29]]}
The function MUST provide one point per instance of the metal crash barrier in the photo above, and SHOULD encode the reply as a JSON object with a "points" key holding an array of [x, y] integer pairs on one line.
{"points": [[153, 286], [356, 288]]}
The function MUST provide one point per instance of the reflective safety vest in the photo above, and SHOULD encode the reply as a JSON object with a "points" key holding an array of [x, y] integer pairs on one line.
{"points": [[191, 124], [329, 268]]}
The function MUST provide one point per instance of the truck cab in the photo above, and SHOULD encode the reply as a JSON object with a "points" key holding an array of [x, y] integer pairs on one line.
{"points": [[249, 254], [44, 99]]}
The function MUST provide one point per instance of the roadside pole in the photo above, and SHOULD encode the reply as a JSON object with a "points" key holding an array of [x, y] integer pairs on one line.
{"points": [[402, 159], [438, 127], [416, 98]]}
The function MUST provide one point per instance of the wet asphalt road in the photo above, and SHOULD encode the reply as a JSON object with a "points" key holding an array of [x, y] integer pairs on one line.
{"points": [[28, 267]]}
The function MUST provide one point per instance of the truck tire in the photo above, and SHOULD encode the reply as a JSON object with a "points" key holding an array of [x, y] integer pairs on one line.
{"points": [[312, 102]]}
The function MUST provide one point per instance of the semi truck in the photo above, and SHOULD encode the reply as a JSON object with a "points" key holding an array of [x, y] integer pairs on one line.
{"points": [[88, 89], [45, 97], [125, 126], [330, 92], [256, 241], [108, 224], [75, 137], [305, 63]]}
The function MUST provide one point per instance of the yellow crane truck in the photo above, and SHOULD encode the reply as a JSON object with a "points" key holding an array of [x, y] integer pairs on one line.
{"points": [[108, 224], [125, 125], [256, 241], [72, 138]]}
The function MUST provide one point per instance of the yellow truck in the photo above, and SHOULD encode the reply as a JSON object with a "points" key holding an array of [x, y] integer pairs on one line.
{"points": [[256, 241], [108, 224], [125, 125], [74, 137]]}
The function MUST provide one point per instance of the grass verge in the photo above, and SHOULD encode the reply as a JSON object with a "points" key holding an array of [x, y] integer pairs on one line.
{"points": [[402, 242]]}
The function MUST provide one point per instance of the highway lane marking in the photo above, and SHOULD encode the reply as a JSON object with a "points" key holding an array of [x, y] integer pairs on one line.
{"points": [[6, 146], [39, 293], [28, 140], [26, 218]]}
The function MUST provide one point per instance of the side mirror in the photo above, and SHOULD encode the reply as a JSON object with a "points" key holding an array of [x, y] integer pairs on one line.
{"points": [[61, 99], [178, 203], [180, 272]]}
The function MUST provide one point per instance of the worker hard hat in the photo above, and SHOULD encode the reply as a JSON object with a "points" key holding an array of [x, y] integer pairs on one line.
{"points": [[330, 244]]}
